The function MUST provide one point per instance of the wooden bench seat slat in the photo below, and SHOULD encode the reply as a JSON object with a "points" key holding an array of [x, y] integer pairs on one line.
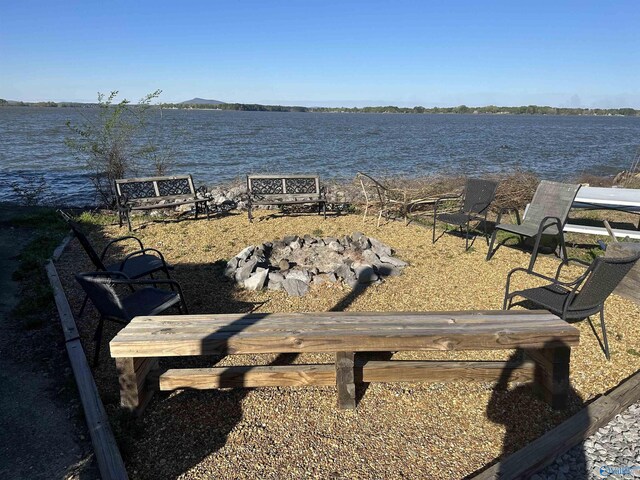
{"points": [[359, 341], [160, 331], [512, 316]]}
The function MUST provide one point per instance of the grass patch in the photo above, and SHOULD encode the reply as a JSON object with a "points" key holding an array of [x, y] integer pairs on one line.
{"points": [[36, 296], [96, 218]]}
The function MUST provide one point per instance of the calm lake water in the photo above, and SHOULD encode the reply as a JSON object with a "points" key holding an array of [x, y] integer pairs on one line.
{"points": [[217, 146]]}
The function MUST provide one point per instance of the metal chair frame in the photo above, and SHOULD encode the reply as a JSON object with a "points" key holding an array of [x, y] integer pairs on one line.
{"points": [[547, 222], [472, 212], [568, 311], [122, 279], [98, 260]]}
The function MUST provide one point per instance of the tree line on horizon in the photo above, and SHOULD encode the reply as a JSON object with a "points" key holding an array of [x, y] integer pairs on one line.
{"points": [[460, 109]]}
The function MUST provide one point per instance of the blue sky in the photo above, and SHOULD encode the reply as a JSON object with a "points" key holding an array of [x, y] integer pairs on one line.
{"points": [[578, 53]]}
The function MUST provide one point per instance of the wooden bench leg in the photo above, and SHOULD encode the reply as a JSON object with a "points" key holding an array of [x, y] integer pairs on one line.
{"points": [[135, 393], [345, 381], [552, 374]]}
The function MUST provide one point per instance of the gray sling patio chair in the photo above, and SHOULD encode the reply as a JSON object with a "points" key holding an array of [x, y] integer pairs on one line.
{"points": [[140, 263], [546, 215], [476, 200], [100, 287], [580, 298]]}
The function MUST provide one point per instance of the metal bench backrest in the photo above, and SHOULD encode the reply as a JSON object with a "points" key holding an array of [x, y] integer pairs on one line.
{"points": [[552, 199], [151, 188], [283, 185]]}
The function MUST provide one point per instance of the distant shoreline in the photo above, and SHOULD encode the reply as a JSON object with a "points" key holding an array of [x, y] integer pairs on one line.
{"points": [[389, 109]]}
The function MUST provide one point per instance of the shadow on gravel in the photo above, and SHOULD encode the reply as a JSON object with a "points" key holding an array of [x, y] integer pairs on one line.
{"points": [[526, 418]]}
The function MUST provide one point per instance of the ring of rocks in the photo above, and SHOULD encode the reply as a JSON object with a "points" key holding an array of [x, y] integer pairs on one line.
{"points": [[294, 263]]}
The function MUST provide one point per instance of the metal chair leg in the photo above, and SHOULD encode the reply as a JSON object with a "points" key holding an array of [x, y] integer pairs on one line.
{"points": [[98, 341], [493, 239], [466, 245], [604, 334], [563, 248], [433, 237], [84, 305], [506, 303], [534, 253]]}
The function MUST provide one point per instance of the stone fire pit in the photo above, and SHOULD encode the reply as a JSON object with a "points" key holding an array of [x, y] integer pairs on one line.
{"points": [[294, 263]]}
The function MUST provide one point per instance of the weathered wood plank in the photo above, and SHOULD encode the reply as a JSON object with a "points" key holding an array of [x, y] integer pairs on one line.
{"points": [[187, 326], [64, 310], [464, 316], [104, 444], [105, 447], [179, 332], [345, 381], [57, 253], [374, 340], [543, 451], [364, 372], [441, 371], [250, 377], [134, 392], [552, 374]]}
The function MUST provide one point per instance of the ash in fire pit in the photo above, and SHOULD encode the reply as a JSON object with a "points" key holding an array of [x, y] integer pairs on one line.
{"points": [[294, 263]]}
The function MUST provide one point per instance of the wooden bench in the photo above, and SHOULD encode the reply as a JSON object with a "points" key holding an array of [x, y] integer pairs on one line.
{"points": [[545, 339], [150, 193], [285, 190]]}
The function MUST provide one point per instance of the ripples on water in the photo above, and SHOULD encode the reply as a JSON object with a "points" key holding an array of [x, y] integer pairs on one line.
{"points": [[217, 146]]}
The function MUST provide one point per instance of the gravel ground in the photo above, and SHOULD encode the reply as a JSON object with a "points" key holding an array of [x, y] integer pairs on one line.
{"points": [[614, 450], [398, 430]]}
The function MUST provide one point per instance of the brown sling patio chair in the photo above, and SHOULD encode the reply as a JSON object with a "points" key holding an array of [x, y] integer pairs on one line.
{"points": [[580, 298], [100, 287], [387, 201], [476, 200], [546, 215], [140, 263]]}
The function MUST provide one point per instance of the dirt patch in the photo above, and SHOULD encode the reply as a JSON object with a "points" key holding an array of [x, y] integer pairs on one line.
{"points": [[43, 432]]}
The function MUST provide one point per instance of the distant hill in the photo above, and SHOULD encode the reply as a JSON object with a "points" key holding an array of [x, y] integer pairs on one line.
{"points": [[201, 101]]}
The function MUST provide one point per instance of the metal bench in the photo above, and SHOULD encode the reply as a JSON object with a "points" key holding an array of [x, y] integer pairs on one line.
{"points": [[150, 193], [545, 339], [283, 190]]}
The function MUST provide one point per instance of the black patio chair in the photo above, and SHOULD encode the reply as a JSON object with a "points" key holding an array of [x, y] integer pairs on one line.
{"points": [[100, 287], [476, 199], [546, 215], [138, 264], [580, 298]]}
